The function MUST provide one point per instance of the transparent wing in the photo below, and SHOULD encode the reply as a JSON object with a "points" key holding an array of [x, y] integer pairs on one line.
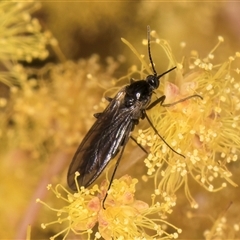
{"points": [[101, 143]]}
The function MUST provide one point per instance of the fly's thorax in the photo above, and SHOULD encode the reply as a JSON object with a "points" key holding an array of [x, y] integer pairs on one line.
{"points": [[138, 94]]}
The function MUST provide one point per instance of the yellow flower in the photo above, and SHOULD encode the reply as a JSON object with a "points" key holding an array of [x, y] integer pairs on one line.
{"points": [[61, 123], [205, 131], [21, 37], [223, 227], [124, 217]]}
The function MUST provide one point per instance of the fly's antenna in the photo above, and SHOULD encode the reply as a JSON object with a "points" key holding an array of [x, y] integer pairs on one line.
{"points": [[159, 76], [149, 49], [150, 56]]}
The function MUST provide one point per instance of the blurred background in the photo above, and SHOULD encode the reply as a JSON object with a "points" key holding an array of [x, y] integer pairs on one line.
{"points": [[82, 30]]}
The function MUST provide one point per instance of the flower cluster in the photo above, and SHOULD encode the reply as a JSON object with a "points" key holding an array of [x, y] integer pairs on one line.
{"points": [[21, 36], [205, 131], [124, 217], [40, 113], [63, 121], [222, 230], [21, 39]]}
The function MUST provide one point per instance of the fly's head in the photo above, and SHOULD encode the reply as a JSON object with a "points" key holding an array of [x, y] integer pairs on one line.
{"points": [[138, 92], [153, 81]]}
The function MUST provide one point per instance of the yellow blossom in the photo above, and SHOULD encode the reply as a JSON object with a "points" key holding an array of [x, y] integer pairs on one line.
{"points": [[21, 37], [63, 120], [124, 217], [205, 131], [223, 227], [46, 111]]}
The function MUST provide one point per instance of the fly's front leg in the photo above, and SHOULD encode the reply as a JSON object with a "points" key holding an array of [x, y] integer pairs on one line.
{"points": [[159, 100], [181, 100], [162, 99]]}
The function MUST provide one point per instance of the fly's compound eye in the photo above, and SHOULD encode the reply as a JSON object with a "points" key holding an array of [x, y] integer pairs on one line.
{"points": [[153, 81]]}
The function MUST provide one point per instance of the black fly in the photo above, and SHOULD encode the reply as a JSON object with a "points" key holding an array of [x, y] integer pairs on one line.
{"points": [[110, 133]]}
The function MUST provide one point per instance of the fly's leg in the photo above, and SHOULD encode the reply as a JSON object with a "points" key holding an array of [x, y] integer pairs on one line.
{"points": [[114, 171], [139, 144], [162, 99], [155, 130]]}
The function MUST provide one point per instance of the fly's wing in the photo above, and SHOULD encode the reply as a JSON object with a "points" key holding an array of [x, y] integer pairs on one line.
{"points": [[101, 143]]}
